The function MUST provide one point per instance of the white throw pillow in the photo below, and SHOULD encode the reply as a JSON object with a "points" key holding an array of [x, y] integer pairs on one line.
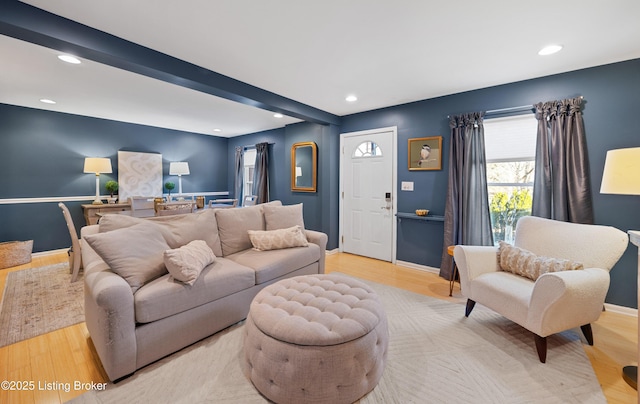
{"points": [[264, 240], [187, 262]]}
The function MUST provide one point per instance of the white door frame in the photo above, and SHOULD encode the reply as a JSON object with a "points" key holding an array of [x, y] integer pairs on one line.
{"points": [[394, 185]]}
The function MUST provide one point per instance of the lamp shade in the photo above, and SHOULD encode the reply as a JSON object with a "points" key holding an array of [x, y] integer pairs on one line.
{"points": [[97, 165], [179, 168], [621, 172]]}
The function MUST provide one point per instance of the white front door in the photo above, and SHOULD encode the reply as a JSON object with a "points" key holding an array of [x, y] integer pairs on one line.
{"points": [[368, 181]]}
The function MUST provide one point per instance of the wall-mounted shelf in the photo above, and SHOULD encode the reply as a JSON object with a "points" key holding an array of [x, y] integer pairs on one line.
{"points": [[413, 216]]}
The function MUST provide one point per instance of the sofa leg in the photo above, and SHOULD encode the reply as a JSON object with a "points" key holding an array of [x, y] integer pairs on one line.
{"points": [[588, 333], [541, 347], [470, 305]]}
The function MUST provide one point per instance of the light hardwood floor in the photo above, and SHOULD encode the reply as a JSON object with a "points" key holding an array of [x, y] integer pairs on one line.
{"points": [[67, 355]]}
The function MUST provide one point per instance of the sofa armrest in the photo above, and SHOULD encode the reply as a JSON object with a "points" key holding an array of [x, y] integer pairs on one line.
{"points": [[109, 312], [320, 239], [567, 299], [473, 261]]}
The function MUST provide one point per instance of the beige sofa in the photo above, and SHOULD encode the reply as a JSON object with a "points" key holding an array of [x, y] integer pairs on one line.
{"points": [[134, 320]]}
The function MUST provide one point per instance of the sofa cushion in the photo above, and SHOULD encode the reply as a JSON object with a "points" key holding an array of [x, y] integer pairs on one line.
{"points": [[264, 240], [525, 263], [233, 224], [178, 230], [187, 262], [282, 217], [272, 264], [164, 297], [135, 253]]}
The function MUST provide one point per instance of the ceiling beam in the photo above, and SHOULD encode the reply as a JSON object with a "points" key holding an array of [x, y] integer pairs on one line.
{"points": [[31, 24]]}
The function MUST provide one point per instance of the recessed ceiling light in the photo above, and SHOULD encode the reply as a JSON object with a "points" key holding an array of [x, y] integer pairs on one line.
{"points": [[351, 98], [278, 115], [217, 130], [550, 50], [69, 59], [47, 101]]}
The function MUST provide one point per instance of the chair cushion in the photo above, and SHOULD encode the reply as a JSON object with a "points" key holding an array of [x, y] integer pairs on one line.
{"points": [[272, 264], [525, 263], [278, 239], [164, 296]]}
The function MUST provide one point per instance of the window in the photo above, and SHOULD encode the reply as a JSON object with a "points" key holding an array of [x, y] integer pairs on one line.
{"points": [[510, 145], [367, 149], [249, 165]]}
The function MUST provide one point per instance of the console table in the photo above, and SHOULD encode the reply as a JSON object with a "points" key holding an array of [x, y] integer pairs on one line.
{"points": [[91, 211]]}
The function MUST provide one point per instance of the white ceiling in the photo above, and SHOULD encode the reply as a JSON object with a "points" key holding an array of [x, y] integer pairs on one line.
{"points": [[386, 52]]}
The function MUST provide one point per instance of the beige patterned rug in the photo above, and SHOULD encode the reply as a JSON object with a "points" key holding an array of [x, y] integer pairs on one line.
{"points": [[39, 300], [436, 355]]}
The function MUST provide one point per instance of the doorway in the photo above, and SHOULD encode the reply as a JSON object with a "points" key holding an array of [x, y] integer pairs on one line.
{"points": [[368, 193]]}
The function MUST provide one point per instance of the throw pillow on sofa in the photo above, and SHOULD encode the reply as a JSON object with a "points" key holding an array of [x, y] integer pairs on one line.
{"points": [[135, 253], [177, 230], [283, 217], [525, 263], [187, 262], [264, 240]]}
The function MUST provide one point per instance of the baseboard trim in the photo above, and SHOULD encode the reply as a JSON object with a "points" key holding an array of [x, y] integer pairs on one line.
{"points": [[627, 311], [418, 267], [50, 252], [332, 252]]}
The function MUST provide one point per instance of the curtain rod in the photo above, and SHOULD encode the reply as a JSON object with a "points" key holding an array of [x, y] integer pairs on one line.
{"points": [[248, 146], [522, 108]]}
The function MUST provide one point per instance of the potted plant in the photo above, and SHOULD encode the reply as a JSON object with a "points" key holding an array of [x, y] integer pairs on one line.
{"points": [[112, 187], [169, 186]]}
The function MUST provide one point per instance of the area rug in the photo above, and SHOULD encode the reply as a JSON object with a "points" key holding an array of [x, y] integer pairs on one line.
{"points": [[39, 300], [436, 355]]}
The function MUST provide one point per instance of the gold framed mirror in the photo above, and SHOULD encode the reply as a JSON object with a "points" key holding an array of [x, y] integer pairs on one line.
{"points": [[304, 163]]}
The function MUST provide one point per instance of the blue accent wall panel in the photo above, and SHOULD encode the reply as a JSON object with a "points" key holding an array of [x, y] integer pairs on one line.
{"points": [[611, 101], [43, 156]]}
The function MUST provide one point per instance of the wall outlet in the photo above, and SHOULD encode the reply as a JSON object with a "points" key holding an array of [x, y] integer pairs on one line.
{"points": [[406, 186]]}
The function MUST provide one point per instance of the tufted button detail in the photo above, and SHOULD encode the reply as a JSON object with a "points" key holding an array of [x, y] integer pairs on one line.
{"points": [[343, 322]]}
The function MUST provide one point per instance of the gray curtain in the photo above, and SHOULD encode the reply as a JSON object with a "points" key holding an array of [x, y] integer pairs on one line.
{"points": [[239, 175], [261, 173], [562, 187], [466, 217]]}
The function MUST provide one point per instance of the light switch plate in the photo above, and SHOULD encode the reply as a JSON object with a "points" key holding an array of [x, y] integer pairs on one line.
{"points": [[406, 186]]}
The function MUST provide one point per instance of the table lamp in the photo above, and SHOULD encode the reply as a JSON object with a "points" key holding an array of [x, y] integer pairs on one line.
{"points": [[97, 166], [622, 176], [179, 168]]}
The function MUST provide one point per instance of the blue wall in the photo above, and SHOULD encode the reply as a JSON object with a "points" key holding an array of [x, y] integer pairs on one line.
{"points": [[611, 101], [321, 207], [44, 153], [43, 156]]}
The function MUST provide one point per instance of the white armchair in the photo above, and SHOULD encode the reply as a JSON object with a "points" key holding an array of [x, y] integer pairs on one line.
{"points": [[556, 301]]}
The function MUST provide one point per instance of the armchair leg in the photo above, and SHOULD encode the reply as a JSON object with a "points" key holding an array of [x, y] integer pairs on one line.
{"points": [[588, 333], [470, 305], [541, 347]]}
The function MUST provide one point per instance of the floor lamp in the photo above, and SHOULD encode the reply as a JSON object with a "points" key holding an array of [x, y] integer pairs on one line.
{"points": [[179, 168], [622, 176], [97, 166]]}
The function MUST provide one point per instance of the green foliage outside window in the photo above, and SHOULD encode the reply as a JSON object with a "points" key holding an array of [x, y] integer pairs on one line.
{"points": [[505, 211]]}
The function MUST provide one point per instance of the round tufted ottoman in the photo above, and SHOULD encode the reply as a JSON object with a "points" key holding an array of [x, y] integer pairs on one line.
{"points": [[315, 339]]}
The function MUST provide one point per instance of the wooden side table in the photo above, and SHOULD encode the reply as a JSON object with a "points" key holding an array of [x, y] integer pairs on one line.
{"points": [[90, 210], [454, 270]]}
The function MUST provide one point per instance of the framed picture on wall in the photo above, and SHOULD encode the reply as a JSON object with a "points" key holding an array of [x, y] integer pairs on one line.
{"points": [[425, 153]]}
